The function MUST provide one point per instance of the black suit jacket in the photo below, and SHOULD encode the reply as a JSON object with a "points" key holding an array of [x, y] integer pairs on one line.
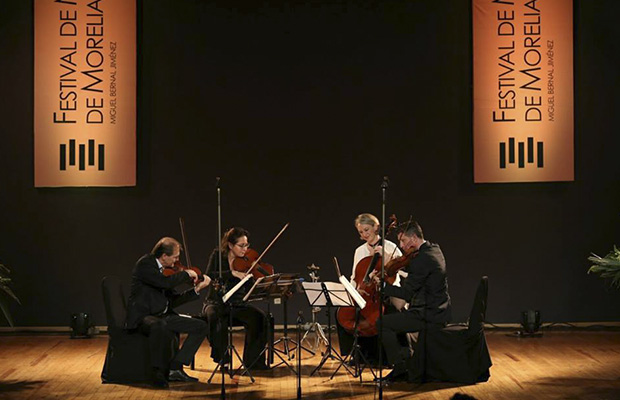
{"points": [[426, 286], [152, 291]]}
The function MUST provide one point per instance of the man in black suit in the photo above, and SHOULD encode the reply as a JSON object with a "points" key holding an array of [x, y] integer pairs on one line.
{"points": [[425, 289], [150, 309]]}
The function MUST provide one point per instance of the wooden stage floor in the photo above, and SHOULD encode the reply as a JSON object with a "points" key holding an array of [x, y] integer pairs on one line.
{"points": [[559, 365]]}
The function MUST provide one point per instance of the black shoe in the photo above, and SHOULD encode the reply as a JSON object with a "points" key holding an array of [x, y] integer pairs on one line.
{"points": [[398, 374], [393, 377], [260, 367], [178, 375], [217, 359], [159, 380]]}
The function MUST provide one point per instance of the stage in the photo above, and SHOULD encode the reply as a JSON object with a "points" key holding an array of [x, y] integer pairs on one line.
{"points": [[567, 364]]}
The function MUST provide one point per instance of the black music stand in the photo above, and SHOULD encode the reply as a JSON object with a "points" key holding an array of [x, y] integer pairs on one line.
{"points": [[356, 353], [327, 294], [287, 284]]}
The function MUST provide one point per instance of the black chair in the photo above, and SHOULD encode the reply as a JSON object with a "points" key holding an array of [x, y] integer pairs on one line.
{"points": [[454, 353], [127, 359]]}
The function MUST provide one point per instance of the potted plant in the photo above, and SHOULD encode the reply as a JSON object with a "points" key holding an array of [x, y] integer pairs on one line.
{"points": [[6, 292], [608, 266]]}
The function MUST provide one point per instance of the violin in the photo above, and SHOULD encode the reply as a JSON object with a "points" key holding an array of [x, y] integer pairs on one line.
{"points": [[243, 264], [178, 267]]}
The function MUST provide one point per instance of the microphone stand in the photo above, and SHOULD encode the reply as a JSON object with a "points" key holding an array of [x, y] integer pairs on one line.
{"points": [[384, 186], [300, 321], [219, 259]]}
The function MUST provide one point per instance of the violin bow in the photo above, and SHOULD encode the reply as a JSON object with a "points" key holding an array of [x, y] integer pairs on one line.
{"points": [[182, 224], [267, 248], [407, 225]]}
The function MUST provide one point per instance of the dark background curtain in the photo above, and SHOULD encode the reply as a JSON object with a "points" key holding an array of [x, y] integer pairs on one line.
{"points": [[301, 108]]}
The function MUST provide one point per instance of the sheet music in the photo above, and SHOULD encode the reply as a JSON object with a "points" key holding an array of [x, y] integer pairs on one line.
{"points": [[338, 294], [314, 293], [286, 284], [236, 287], [359, 300], [259, 280], [262, 288]]}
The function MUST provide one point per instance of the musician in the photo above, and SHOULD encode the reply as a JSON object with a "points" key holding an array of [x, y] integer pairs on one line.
{"points": [[368, 226], [234, 244], [426, 290], [150, 310]]}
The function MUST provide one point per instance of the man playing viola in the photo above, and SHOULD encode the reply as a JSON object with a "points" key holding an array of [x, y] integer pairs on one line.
{"points": [[425, 289]]}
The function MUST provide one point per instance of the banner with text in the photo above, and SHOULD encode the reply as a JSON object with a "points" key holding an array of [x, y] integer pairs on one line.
{"points": [[84, 93], [523, 90]]}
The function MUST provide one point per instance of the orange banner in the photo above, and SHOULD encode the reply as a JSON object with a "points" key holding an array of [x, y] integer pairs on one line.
{"points": [[85, 93], [523, 91]]}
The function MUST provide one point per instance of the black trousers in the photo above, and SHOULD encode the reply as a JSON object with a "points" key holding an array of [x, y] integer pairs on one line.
{"points": [[161, 329], [369, 345], [394, 327], [252, 318]]}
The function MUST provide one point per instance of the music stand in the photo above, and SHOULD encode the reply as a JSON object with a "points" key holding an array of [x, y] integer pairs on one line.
{"points": [[356, 352], [287, 284], [327, 294]]}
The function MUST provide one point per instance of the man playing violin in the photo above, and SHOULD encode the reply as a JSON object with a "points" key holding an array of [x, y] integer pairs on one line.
{"points": [[150, 310], [234, 246], [425, 289]]}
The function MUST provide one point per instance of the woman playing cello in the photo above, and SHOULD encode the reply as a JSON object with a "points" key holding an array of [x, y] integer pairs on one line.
{"points": [[367, 226], [234, 246]]}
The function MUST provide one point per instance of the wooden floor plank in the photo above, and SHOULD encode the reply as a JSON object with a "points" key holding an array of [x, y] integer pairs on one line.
{"points": [[559, 365]]}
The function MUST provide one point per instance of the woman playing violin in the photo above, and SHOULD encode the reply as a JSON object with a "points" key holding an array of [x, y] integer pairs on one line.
{"points": [[234, 246], [367, 226]]}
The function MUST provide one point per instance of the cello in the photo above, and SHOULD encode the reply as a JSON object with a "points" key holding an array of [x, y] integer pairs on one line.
{"points": [[368, 316]]}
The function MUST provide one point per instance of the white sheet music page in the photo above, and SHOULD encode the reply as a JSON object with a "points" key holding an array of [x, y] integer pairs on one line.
{"points": [[339, 295], [236, 287], [359, 300], [314, 293]]}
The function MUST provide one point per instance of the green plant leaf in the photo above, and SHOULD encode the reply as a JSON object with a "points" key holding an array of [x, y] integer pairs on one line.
{"points": [[4, 269], [9, 292], [5, 310], [607, 267]]}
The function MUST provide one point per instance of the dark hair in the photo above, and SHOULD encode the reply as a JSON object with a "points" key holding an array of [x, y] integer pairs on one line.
{"points": [[411, 228], [167, 246], [231, 236]]}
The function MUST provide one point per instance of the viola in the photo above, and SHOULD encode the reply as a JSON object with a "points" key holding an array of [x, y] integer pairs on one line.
{"points": [[243, 264], [398, 263]]}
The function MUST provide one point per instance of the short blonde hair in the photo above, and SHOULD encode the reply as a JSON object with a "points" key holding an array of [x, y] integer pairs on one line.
{"points": [[366, 219]]}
